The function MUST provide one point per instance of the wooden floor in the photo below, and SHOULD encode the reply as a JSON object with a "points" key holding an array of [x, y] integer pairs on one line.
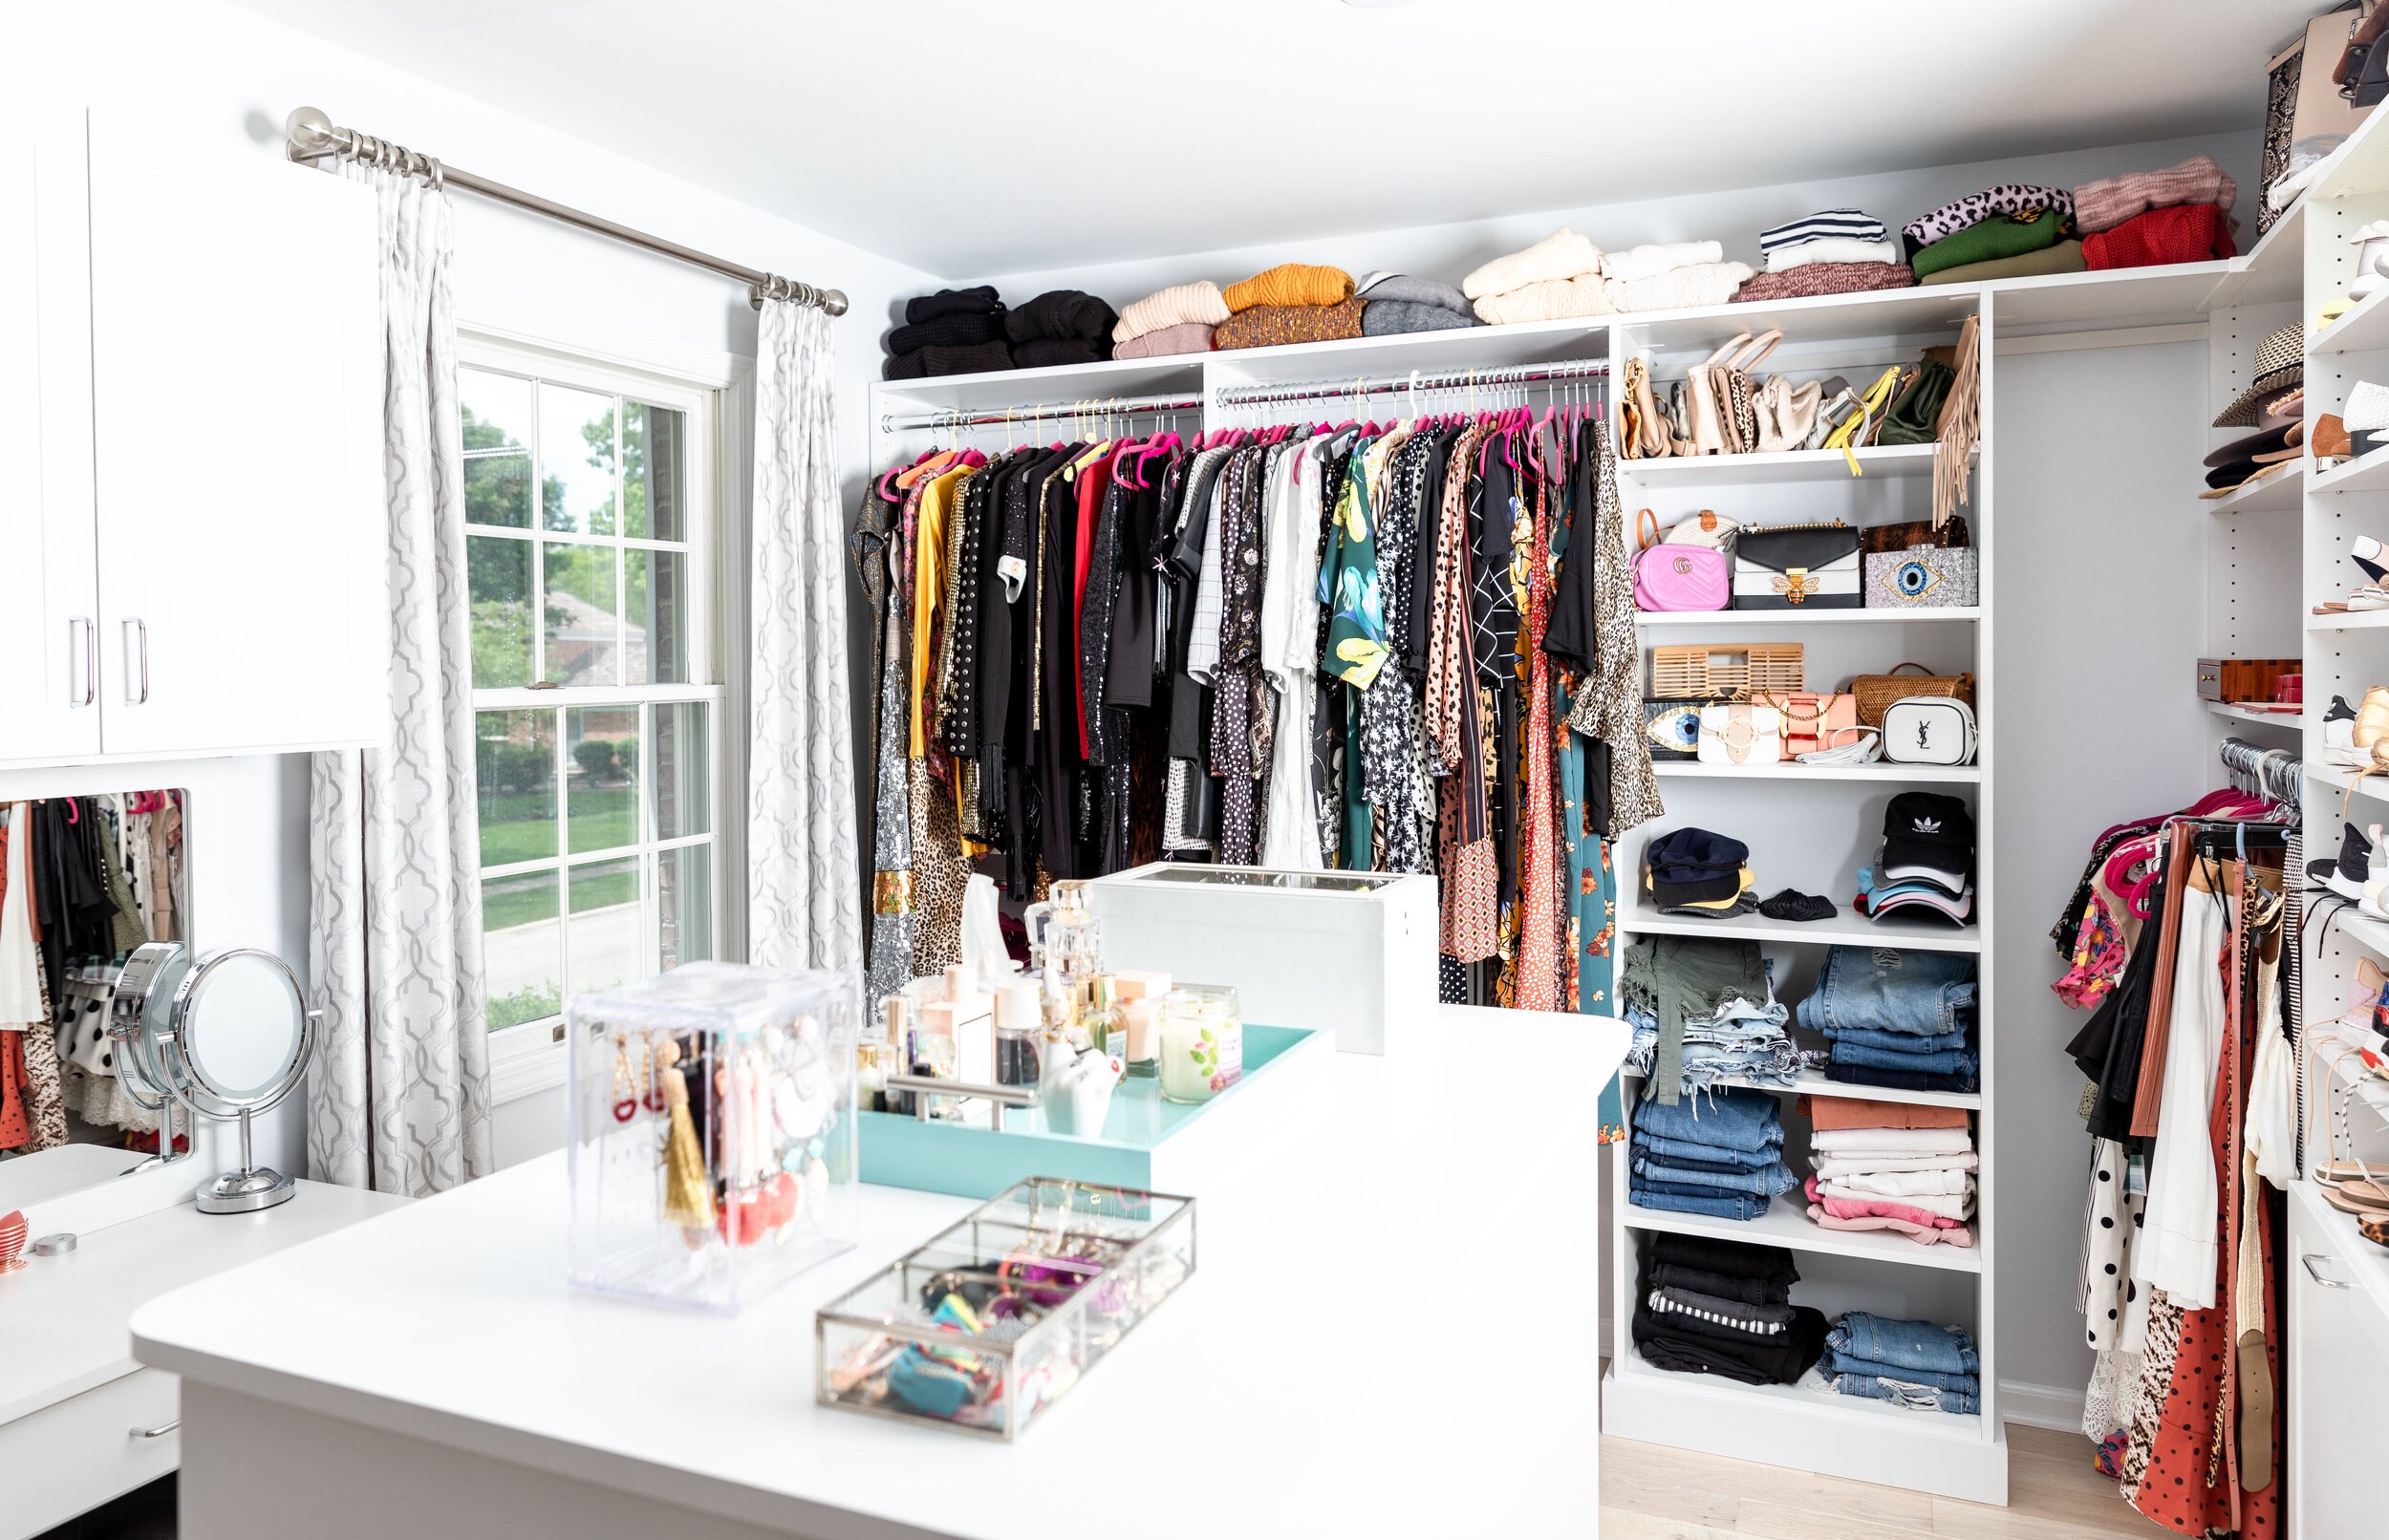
{"points": [[1653, 1493]]}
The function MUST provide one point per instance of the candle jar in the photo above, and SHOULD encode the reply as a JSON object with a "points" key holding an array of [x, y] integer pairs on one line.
{"points": [[1202, 1042]]}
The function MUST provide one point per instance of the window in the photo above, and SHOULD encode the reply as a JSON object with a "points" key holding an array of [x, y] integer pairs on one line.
{"points": [[590, 520]]}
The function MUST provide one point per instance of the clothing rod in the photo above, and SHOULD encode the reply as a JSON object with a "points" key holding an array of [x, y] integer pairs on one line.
{"points": [[1491, 378], [1141, 406], [311, 136]]}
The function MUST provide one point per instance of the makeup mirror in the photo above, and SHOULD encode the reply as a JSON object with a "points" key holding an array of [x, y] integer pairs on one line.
{"points": [[226, 1035]]}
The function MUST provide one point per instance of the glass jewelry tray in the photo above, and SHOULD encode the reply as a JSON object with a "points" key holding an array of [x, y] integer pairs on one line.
{"points": [[1146, 1143]]}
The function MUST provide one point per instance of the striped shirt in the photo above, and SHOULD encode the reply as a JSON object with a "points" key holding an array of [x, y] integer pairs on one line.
{"points": [[1847, 223]]}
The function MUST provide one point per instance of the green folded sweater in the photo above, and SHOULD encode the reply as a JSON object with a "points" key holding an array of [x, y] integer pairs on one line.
{"points": [[2066, 256], [2002, 235]]}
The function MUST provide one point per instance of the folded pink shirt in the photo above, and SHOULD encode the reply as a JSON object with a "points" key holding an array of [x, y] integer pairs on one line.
{"points": [[1878, 1207], [1920, 1234]]}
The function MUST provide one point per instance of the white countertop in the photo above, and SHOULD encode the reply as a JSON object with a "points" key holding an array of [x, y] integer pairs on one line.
{"points": [[1356, 1345], [62, 1318]]}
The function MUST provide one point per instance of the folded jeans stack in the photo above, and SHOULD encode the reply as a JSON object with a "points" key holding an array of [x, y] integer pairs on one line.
{"points": [[953, 332], [1880, 1166], [1837, 251], [1170, 321], [1292, 302], [1910, 1363], [1556, 279], [2015, 230], [2149, 219], [1398, 302], [1725, 1024], [1904, 1020], [1061, 327], [1708, 1306], [1720, 1155], [1674, 276]]}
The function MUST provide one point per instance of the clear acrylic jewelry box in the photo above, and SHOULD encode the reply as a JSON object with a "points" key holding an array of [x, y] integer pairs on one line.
{"points": [[994, 1319], [713, 1132]]}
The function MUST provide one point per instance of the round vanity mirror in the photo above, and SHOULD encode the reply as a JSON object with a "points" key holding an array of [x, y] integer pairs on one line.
{"points": [[227, 1036]]}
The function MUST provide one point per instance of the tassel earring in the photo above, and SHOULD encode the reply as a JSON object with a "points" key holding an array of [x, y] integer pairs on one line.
{"points": [[688, 1194]]}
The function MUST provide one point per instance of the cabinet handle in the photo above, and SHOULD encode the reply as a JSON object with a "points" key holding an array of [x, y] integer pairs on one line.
{"points": [[91, 662], [2313, 1257], [158, 1432], [136, 629]]}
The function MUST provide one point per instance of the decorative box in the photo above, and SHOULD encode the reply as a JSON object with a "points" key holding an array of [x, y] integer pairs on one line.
{"points": [[713, 1132], [1351, 953], [2236, 681], [1924, 577]]}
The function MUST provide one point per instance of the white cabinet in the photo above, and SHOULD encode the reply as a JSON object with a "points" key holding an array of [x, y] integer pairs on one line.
{"points": [[2337, 1362], [197, 565], [49, 588]]}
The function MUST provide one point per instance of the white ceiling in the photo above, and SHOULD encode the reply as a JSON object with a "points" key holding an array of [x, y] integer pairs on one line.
{"points": [[968, 138]]}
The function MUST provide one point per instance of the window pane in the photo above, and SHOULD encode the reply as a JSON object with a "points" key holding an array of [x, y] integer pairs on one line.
{"points": [[654, 472], [582, 644], [496, 413], [575, 461], [684, 771], [602, 780], [656, 590], [684, 899], [522, 948], [514, 757], [500, 580], [608, 941]]}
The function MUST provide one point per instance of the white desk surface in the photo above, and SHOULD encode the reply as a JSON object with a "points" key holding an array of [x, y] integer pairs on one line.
{"points": [[27, 1180], [63, 1318], [1368, 1335]]}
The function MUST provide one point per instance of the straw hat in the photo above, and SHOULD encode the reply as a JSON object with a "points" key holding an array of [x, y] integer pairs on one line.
{"points": [[2280, 366]]}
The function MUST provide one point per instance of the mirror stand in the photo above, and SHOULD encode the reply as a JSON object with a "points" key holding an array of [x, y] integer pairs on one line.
{"points": [[249, 1188]]}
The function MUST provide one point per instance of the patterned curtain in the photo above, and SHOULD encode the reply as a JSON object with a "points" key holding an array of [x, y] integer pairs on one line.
{"points": [[803, 873], [398, 1099]]}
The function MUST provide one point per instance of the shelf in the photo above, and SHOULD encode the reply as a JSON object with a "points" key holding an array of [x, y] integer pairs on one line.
{"points": [[2352, 620], [2293, 720], [1803, 617], [2368, 472], [1789, 466], [1786, 1224], [1793, 770], [1934, 313], [2115, 297], [1845, 929], [2344, 781], [1814, 1082], [2282, 493], [2274, 270], [1430, 353], [1810, 1398], [995, 390], [2363, 329], [2353, 923]]}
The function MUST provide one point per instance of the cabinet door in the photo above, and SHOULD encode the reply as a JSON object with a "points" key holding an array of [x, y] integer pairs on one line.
{"points": [[2336, 1366], [49, 584], [237, 372]]}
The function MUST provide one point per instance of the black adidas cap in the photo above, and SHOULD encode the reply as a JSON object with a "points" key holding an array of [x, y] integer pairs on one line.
{"points": [[1928, 836]]}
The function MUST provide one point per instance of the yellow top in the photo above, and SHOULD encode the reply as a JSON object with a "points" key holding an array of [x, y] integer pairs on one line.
{"points": [[1291, 283], [928, 589]]}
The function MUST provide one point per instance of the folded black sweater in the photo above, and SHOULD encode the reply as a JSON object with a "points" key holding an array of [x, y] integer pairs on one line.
{"points": [[928, 363], [979, 301], [1048, 353], [956, 330], [1062, 313]]}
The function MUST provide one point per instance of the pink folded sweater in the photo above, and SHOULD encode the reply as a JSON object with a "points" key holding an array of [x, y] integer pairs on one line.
{"points": [[1920, 1234], [2104, 204], [1192, 336], [1878, 1207]]}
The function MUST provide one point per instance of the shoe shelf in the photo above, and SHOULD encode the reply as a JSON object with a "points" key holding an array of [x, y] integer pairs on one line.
{"points": [[1786, 1224], [2363, 329], [2344, 782], [2282, 493], [2356, 620], [2366, 473]]}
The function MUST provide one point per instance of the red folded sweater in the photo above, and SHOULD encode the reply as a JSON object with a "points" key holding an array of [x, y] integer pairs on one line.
{"points": [[2185, 232]]}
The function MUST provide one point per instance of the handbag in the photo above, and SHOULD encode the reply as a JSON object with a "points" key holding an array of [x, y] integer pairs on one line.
{"points": [[1922, 577], [1876, 692], [1813, 723], [1798, 566], [1729, 672], [1704, 410], [1678, 579], [1738, 733], [1915, 417], [1643, 429], [1787, 413], [1835, 402], [1672, 728], [1707, 527], [1909, 533], [1857, 426], [1737, 394], [1921, 730]]}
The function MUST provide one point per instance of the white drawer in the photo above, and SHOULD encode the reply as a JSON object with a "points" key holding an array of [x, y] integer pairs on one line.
{"points": [[69, 1458]]}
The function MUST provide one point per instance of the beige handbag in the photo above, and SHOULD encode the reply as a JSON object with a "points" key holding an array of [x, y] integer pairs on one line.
{"points": [[1737, 392], [1704, 406], [1644, 431], [1740, 735], [1787, 414]]}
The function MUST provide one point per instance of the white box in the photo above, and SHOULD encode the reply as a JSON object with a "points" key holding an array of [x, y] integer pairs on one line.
{"points": [[1351, 953]]}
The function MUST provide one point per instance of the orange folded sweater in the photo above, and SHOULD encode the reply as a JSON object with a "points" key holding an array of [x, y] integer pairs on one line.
{"points": [[1291, 283]]}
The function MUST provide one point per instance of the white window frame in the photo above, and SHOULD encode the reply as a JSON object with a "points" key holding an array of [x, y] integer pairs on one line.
{"points": [[531, 1055]]}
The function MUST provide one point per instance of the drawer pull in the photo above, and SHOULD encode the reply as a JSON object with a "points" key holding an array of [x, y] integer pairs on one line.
{"points": [[158, 1432], [2317, 1274]]}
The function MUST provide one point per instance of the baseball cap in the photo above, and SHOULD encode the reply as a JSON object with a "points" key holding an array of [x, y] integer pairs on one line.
{"points": [[1929, 837]]}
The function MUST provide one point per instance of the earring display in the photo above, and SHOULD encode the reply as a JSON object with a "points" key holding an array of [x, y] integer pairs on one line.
{"points": [[713, 1132], [996, 1317]]}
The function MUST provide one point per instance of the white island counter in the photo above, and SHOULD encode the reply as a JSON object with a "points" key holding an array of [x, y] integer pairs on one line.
{"points": [[1392, 1331]]}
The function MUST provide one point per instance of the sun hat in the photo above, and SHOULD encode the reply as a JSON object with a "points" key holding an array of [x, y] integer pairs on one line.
{"points": [[2280, 364]]}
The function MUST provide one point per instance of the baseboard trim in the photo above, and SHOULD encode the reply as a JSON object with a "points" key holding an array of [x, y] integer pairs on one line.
{"points": [[2050, 1406]]}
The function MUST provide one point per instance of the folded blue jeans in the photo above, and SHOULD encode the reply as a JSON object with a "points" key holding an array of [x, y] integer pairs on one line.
{"points": [[1904, 1345], [1718, 1205], [1846, 1363], [1903, 1393], [1771, 1181], [1897, 1042], [1748, 1160], [1884, 990], [1949, 1061], [1727, 1120]]}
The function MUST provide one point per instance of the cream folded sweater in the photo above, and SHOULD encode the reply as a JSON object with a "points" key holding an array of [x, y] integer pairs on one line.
{"points": [[1904, 1184], [1650, 260], [1831, 248], [1554, 299], [1682, 288], [1561, 255], [1199, 303], [1887, 1140]]}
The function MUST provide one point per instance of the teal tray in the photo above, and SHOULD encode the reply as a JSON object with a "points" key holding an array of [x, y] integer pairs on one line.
{"points": [[981, 1163]]}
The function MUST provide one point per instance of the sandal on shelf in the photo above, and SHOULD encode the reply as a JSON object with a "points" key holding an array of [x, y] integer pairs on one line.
{"points": [[2375, 1229]]}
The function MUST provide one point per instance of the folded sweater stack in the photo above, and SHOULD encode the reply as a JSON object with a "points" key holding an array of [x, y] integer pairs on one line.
{"points": [[2149, 219], [1293, 302], [1883, 1166], [1170, 321], [1917, 1364], [1837, 251], [1558, 278], [1398, 302], [2013, 230], [1063, 326], [953, 332], [1708, 1306], [1678, 276]]}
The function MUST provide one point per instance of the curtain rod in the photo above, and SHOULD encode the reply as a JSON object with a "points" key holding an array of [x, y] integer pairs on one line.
{"points": [[1326, 389], [311, 136], [1140, 406]]}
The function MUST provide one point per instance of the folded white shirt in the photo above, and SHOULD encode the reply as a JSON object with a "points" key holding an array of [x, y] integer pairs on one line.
{"points": [[1940, 1206], [1906, 1184], [1890, 1141], [1650, 260], [1831, 248], [1846, 1165]]}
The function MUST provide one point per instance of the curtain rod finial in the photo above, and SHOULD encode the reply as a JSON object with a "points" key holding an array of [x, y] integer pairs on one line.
{"points": [[833, 301], [308, 133]]}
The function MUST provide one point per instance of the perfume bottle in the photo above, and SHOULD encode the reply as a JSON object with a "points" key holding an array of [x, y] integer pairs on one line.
{"points": [[1066, 936], [1019, 1034], [1100, 1018]]}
